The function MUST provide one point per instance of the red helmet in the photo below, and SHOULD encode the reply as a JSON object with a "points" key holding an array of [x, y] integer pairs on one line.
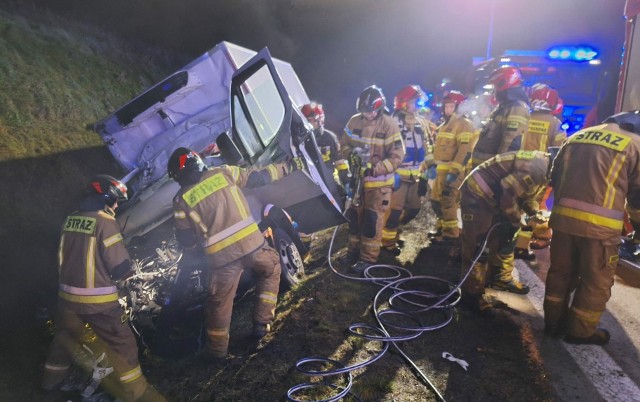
{"points": [[505, 77], [408, 94], [543, 97], [454, 96], [313, 111]]}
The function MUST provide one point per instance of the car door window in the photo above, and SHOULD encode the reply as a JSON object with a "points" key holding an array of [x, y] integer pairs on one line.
{"points": [[258, 121]]}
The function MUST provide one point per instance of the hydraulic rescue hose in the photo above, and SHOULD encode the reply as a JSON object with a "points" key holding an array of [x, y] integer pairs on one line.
{"points": [[397, 281]]}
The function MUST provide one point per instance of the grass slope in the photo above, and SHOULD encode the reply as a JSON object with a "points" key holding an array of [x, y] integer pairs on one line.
{"points": [[56, 78]]}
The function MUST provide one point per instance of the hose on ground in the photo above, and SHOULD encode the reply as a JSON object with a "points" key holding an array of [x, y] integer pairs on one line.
{"points": [[400, 308]]}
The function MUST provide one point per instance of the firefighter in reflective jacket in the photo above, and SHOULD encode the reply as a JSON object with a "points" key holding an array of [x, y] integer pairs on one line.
{"points": [[543, 132], [91, 258], [500, 190], [454, 143], [326, 140], [415, 131], [595, 178], [509, 121], [210, 211], [378, 134]]}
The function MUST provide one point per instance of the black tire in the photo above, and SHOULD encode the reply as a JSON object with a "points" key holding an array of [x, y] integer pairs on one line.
{"points": [[290, 259]]}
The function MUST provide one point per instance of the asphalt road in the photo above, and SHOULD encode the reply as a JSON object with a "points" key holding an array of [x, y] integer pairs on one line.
{"points": [[587, 372]]}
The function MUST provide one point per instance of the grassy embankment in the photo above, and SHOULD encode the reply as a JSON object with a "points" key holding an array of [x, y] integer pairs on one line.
{"points": [[56, 78]]}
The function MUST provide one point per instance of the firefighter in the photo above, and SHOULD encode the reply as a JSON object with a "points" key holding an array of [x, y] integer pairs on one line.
{"points": [[508, 122], [373, 140], [326, 140], [92, 257], [586, 225], [211, 214], [452, 151], [503, 132], [500, 190], [544, 131], [405, 199]]}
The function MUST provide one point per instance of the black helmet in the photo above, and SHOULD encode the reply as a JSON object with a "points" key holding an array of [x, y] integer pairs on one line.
{"points": [[371, 100], [629, 121], [109, 187], [185, 165]]}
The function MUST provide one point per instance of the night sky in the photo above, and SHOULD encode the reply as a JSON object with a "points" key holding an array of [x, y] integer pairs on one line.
{"points": [[338, 47]]}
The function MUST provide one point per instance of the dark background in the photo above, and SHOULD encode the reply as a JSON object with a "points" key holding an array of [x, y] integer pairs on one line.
{"points": [[338, 47]]}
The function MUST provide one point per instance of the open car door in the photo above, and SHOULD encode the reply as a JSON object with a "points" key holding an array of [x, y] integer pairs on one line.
{"points": [[267, 128]]}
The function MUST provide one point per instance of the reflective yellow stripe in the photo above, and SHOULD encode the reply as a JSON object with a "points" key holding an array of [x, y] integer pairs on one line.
{"points": [[408, 172], [195, 217], [179, 214], [612, 176], [449, 224], [56, 367], [91, 263], [204, 189], [587, 315], [131, 375], [241, 234], [443, 167], [88, 299], [268, 297], [112, 240], [224, 332], [457, 166], [382, 183], [445, 134], [393, 138], [60, 253], [239, 204], [387, 164], [588, 217], [342, 165], [554, 299], [517, 119], [273, 172]]}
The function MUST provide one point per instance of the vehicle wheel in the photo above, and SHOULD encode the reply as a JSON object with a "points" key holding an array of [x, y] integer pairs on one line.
{"points": [[290, 259]]}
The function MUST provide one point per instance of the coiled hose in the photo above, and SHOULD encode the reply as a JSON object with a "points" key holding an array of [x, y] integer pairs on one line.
{"points": [[397, 281]]}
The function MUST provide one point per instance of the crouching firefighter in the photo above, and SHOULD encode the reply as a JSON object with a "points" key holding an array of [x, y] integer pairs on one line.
{"points": [[499, 191], [91, 258], [595, 179], [377, 136], [212, 215]]}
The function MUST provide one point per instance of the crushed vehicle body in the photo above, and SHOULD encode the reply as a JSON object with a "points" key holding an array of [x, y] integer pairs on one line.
{"points": [[233, 106]]}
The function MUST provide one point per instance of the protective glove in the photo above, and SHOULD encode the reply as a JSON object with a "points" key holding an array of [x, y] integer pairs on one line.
{"points": [[345, 176], [451, 177], [431, 173], [366, 170], [537, 219]]}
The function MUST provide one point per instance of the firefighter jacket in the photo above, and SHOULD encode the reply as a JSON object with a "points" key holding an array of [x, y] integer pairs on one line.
{"points": [[329, 146], [594, 175], [91, 248], [511, 182], [217, 213], [381, 141], [415, 133], [543, 131], [454, 144], [504, 131]]}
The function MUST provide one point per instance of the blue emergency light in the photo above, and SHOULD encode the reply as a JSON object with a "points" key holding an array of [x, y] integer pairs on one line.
{"points": [[572, 53]]}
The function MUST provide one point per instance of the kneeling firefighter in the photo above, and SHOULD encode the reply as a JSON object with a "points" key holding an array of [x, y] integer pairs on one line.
{"points": [[500, 190], [212, 214]]}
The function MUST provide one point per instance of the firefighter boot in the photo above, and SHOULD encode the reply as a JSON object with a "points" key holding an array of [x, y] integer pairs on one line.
{"points": [[513, 286], [361, 266], [523, 254], [600, 337], [260, 330]]}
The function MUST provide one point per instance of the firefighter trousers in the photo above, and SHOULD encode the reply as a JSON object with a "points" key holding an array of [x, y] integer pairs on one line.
{"points": [[366, 221], [449, 204], [222, 284], [586, 268], [114, 337], [404, 206], [477, 218]]}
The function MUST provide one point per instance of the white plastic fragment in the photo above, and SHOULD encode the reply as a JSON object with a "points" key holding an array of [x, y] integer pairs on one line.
{"points": [[450, 357]]}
